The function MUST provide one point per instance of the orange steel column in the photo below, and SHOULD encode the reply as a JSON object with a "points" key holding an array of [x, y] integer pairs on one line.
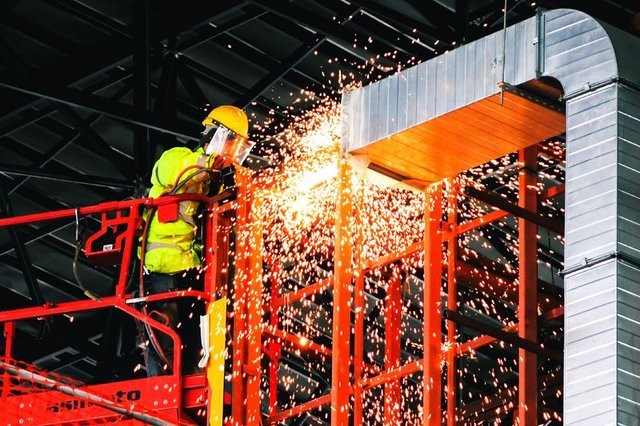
{"points": [[340, 362], [392, 331], [254, 313], [359, 307], [275, 349], [216, 262], [452, 301], [528, 291], [239, 397], [358, 348], [432, 387]]}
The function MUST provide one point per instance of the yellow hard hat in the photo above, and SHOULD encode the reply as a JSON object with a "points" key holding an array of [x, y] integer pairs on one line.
{"points": [[233, 118]]}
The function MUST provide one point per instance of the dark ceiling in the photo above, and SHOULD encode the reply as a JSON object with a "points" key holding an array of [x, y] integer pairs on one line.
{"points": [[93, 90]]}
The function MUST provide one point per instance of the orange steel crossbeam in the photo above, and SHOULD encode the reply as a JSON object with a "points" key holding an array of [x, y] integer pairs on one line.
{"points": [[528, 291], [296, 342], [431, 365], [300, 409]]}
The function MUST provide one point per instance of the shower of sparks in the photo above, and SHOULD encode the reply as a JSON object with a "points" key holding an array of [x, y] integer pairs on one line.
{"points": [[299, 210]]}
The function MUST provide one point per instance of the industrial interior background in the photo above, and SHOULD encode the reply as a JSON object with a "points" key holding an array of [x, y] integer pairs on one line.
{"points": [[94, 90]]}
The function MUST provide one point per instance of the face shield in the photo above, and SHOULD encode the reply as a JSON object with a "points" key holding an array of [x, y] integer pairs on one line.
{"points": [[227, 143]]}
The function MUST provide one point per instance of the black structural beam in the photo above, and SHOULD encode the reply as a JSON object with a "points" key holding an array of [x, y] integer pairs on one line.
{"points": [[43, 160], [209, 32], [24, 261], [81, 179], [95, 140], [224, 83], [116, 110], [34, 234], [505, 336], [190, 85], [67, 139], [462, 19], [47, 278], [96, 18], [407, 24], [40, 34], [275, 74], [10, 57], [439, 17], [502, 203], [141, 87], [334, 31], [34, 113], [118, 52]]}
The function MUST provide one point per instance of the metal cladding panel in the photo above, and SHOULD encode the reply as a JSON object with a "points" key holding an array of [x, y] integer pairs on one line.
{"points": [[629, 172], [628, 343], [577, 50], [595, 412], [628, 240], [591, 328], [438, 86], [623, 44], [591, 221], [602, 218], [592, 290]]}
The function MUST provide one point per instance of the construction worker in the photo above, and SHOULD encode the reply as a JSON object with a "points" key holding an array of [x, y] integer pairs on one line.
{"points": [[171, 259]]}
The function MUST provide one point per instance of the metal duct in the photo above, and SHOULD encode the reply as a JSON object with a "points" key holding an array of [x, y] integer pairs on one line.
{"points": [[599, 72]]}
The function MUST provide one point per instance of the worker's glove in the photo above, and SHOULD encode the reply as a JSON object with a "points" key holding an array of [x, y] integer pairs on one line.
{"points": [[219, 162]]}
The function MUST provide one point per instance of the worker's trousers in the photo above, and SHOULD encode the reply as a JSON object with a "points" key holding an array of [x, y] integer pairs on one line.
{"points": [[180, 315]]}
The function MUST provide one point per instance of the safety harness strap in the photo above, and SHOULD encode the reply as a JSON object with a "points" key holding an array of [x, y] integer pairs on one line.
{"points": [[155, 245], [182, 213]]}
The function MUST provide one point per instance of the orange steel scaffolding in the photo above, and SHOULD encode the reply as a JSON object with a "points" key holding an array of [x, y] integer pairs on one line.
{"points": [[253, 337], [441, 350]]}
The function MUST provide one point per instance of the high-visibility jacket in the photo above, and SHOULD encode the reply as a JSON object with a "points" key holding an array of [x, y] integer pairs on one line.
{"points": [[170, 245]]}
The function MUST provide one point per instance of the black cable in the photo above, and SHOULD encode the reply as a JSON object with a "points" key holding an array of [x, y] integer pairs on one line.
{"points": [[79, 242], [210, 171]]}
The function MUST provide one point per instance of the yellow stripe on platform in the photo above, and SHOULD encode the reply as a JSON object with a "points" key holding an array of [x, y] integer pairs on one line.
{"points": [[217, 312]]}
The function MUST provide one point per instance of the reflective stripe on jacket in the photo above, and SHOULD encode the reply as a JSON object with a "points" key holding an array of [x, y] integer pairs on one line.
{"points": [[169, 245]]}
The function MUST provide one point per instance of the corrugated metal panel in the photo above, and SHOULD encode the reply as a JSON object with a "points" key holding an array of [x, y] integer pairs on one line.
{"points": [[629, 171], [440, 85], [590, 221], [590, 345], [628, 240], [628, 347], [577, 50]]}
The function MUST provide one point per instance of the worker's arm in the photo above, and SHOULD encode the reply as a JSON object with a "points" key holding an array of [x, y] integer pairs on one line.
{"points": [[178, 166]]}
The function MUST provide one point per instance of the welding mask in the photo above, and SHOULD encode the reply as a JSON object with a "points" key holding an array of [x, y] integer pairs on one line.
{"points": [[226, 143]]}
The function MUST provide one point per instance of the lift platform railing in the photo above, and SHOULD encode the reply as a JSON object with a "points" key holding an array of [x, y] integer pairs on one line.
{"points": [[114, 244]]}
